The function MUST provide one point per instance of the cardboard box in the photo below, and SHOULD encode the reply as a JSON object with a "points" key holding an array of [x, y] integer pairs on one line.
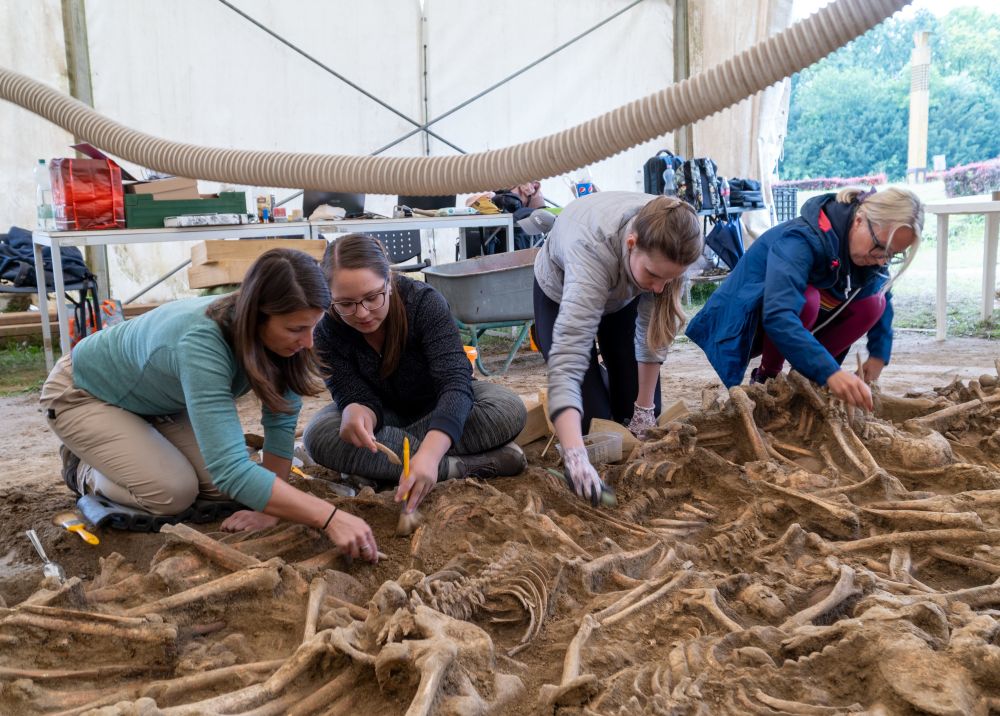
{"points": [[225, 262], [173, 188], [537, 426]]}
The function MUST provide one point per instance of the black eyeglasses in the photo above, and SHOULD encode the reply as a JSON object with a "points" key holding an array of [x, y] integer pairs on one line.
{"points": [[372, 302], [879, 250]]}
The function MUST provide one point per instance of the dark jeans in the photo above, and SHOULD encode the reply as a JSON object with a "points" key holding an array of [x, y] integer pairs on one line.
{"points": [[497, 417], [608, 391]]}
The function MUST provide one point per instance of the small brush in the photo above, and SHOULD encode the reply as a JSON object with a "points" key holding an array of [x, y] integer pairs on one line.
{"points": [[408, 521], [71, 522], [608, 497]]}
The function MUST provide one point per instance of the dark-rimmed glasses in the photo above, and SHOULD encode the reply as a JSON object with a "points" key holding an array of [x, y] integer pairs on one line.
{"points": [[879, 250], [371, 302]]}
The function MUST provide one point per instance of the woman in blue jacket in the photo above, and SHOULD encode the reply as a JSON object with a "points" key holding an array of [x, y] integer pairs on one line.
{"points": [[810, 287]]}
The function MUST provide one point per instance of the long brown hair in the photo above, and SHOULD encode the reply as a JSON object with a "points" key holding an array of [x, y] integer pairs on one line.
{"points": [[669, 227], [361, 251], [279, 282]]}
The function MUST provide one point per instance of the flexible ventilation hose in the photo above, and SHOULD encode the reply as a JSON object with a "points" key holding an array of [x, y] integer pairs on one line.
{"points": [[665, 111]]}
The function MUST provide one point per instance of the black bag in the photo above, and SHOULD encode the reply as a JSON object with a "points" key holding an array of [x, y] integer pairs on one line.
{"points": [[699, 186], [17, 261], [659, 173], [724, 240], [745, 193]]}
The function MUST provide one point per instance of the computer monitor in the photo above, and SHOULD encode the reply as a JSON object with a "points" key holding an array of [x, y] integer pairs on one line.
{"points": [[427, 202], [352, 204]]}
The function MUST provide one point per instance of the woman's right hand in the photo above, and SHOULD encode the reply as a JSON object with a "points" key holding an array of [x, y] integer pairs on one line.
{"points": [[851, 389], [582, 475], [357, 426], [352, 536]]}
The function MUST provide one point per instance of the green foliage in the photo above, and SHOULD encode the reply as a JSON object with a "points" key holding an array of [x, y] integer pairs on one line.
{"points": [[849, 113]]}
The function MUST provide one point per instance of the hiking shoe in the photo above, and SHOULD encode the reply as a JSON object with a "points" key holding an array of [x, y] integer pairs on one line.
{"points": [[505, 461], [70, 465], [759, 376]]}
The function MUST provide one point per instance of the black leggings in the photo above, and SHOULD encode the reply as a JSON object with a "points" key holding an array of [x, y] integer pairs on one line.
{"points": [[608, 390]]}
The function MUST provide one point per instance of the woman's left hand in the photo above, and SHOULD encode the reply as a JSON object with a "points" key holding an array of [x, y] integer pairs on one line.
{"points": [[248, 521], [872, 369], [422, 479]]}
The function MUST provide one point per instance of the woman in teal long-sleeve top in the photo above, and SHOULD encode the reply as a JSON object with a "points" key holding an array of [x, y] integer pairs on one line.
{"points": [[146, 410]]}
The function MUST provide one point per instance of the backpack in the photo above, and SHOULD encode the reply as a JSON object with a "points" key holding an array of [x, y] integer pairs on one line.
{"points": [[698, 185], [659, 173], [17, 261], [745, 193]]}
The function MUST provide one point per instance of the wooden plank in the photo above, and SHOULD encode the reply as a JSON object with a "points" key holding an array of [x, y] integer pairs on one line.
{"points": [[249, 249], [34, 318]]}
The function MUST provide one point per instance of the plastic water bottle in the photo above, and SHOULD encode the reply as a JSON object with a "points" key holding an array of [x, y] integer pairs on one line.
{"points": [[43, 197], [724, 191]]}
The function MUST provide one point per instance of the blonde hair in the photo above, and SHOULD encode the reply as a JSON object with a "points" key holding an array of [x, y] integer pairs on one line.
{"points": [[669, 227], [893, 207]]}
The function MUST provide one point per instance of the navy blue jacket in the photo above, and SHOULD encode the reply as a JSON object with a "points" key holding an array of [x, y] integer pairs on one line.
{"points": [[767, 289]]}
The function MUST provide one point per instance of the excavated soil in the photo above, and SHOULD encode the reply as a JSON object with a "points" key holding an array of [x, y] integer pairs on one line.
{"points": [[770, 552]]}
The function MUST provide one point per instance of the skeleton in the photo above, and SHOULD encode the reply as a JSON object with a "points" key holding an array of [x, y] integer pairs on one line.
{"points": [[765, 550]]}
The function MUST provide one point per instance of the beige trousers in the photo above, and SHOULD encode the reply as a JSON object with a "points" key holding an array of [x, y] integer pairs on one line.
{"points": [[151, 463]]}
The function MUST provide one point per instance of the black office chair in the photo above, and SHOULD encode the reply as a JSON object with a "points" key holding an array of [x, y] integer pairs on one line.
{"points": [[405, 245]]}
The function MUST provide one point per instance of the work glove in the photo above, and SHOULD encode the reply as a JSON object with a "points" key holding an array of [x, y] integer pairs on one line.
{"points": [[642, 420], [582, 476]]}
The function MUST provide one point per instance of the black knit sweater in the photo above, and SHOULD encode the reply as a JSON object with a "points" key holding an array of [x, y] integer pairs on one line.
{"points": [[433, 375]]}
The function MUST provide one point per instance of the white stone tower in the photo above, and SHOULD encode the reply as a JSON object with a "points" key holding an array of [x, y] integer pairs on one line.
{"points": [[920, 67]]}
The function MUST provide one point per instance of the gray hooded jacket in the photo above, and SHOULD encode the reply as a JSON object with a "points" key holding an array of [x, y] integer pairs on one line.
{"points": [[583, 266]]}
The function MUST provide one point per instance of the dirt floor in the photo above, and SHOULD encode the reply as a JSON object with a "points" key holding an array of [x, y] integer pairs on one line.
{"points": [[733, 576]]}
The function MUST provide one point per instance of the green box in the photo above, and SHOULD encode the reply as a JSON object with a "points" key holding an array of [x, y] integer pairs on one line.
{"points": [[142, 211]]}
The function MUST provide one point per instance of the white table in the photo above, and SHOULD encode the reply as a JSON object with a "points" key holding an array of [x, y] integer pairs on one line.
{"points": [[471, 221], [57, 239], [990, 208]]}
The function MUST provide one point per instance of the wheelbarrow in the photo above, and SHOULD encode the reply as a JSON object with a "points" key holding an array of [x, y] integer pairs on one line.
{"points": [[489, 292]]}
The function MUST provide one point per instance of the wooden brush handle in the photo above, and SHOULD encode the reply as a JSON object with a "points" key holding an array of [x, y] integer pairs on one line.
{"points": [[393, 457]]}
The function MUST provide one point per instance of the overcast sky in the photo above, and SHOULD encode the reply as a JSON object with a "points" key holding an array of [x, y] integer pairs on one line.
{"points": [[938, 7]]}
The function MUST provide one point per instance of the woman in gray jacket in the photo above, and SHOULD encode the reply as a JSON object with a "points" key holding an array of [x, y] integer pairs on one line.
{"points": [[610, 269]]}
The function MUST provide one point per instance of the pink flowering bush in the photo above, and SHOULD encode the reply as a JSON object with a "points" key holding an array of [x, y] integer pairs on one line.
{"points": [[971, 179], [835, 182]]}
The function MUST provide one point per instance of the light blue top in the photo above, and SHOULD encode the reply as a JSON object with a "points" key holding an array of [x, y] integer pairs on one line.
{"points": [[173, 359]]}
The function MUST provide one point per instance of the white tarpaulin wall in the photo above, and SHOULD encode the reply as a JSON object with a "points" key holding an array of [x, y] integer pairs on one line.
{"points": [[194, 71]]}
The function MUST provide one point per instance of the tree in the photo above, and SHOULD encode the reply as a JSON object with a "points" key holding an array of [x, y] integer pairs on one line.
{"points": [[849, 112], [845, 124]]}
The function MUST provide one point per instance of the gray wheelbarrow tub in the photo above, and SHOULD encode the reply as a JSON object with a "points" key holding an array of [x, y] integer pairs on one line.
{"points": [[488, 289]]}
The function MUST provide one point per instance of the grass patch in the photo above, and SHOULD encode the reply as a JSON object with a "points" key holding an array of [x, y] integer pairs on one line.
{"points": [[22, 367]]}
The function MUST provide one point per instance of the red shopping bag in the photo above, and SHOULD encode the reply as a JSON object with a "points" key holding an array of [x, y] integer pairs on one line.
{"points": [[87, 194]]}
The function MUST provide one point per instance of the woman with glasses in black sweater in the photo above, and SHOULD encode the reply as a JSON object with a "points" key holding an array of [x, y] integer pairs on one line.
{"points": [[396, 368]]}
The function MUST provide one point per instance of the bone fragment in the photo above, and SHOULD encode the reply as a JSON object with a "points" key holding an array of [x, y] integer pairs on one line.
{"points": [[709, 599], [317, 591], [987, 567], [918, 537], [140, 630], [674, 584], [326, 694], [744, 407], [843, 589], [221, 554], [243, 699], [802, 709], [263, 576], [968, 520]]}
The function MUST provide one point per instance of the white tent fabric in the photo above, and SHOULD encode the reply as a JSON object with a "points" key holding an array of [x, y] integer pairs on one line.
{"points": [[195, 71]]}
